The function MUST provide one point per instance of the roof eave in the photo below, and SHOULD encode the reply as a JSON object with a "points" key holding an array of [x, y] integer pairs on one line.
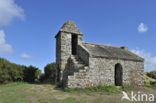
{"points": [[68, 32]]}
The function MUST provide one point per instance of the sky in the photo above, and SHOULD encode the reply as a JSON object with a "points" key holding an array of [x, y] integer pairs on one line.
{"points": [[28, 27]]}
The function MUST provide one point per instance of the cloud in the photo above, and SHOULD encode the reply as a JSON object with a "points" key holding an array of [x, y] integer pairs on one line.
{"points": [[142, 28], [26, 56], [8, 11], [150, 61], [4, 47]]}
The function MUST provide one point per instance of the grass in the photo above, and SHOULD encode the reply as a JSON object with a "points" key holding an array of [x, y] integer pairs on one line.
{"points": [[100, 88], [129, 88], [47, 93]]}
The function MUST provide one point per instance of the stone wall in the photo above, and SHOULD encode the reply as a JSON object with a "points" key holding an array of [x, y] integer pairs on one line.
{"points": [[65, 47], [83, 54], [63, 50], [79, 39], [58, 56], [102, 71]]}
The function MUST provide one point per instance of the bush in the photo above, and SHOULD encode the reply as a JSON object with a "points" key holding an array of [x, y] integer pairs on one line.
{"points": [[153, 83], [10, 72], [152, 74], [50, 72], [42, 78], [31, 74]]}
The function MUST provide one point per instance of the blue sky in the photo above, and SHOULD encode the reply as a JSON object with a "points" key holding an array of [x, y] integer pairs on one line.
{"points": [[28, 27]]}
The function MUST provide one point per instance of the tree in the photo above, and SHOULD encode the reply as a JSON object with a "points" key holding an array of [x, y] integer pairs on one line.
{"points": [[31, 74], [50, 72], [10, 71], [152, 74]]}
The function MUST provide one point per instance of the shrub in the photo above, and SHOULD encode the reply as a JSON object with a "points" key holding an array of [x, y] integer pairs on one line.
{"points": [[31, 74], [152, 74], [153, 83], [10, 71], [42, 78], [50, 72]]}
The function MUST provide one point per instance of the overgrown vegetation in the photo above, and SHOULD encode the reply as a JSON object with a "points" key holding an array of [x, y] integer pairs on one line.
{"points": [[150, 80], [32, 74], [50, 72], [152, 74], [49, 75], [10, 72]]}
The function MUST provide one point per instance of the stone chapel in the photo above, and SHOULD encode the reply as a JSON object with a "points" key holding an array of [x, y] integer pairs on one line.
{"points": [[81, 64]]}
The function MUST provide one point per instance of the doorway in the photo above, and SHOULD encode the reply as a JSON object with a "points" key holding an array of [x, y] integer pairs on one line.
{"points": [[74, 44], [118, 74]]}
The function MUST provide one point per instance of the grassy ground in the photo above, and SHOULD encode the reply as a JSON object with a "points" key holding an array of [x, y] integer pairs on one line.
{"points": [[46, 93]]}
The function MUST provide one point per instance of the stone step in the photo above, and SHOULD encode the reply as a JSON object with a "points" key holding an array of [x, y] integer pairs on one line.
{"points": [[79, 65], [86, 67], [74, 57], [81, 74], [71, 77], [78, 62], [82, 71]]}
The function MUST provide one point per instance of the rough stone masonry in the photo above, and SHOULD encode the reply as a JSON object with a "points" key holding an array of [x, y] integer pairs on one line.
{"points": [[81, 64]]}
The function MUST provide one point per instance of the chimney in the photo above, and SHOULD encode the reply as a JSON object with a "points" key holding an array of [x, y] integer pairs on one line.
{"points": [[124, 48]]}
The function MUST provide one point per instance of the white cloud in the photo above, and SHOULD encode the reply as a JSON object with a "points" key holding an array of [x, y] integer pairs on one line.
{"points": [[26, 56], [150, 61], [8, 11], [142, 28], [4, 47]]}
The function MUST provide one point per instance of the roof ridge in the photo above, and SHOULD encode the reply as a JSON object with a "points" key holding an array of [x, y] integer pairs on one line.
{"points": [[101, 45]]}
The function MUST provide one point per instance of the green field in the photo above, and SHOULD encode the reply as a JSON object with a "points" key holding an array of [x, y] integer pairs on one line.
{"points": [[46, 93]]}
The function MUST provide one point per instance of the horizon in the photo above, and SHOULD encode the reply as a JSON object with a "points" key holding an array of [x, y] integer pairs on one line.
{"points": [[27, 28]]}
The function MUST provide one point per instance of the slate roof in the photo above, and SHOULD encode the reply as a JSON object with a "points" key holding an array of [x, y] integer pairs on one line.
{"points": [[105, 51]]}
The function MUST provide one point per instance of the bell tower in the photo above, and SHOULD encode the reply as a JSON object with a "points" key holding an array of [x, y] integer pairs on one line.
{"points": [[67, 40]]}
